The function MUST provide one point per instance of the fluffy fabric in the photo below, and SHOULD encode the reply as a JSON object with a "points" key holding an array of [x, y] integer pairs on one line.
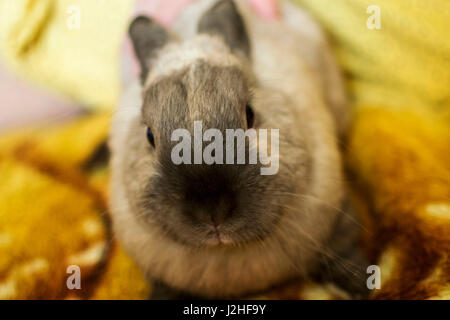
{"points": [[399, 151], [399, 163], [41, 41], [53, 214], [404, 64], [53, 211]]}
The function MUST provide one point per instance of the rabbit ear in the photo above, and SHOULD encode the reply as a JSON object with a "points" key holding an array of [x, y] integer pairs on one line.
{"points": [[147, 36], [224, 20]]}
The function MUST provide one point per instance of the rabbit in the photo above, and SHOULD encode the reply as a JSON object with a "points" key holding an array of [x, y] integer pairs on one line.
{"points": [[220, 231]]}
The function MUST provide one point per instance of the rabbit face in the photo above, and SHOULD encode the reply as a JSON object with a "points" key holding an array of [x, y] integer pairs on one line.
{"points": [[210, 204]]}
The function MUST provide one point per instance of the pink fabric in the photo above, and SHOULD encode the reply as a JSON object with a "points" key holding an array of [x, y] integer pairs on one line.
{"points": [[163, 11], [22, 104], [266, 9], [167, 11]]}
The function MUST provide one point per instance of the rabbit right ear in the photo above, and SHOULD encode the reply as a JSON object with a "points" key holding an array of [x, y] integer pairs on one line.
{"points": [[224, 20], [148, 37]]}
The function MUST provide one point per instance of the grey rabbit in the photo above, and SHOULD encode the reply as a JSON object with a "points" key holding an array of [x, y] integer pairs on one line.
{"points": [[219, 231]]}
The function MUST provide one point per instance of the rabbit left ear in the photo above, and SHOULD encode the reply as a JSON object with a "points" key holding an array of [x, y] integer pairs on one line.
{"points": [[148, 37], [224, 20]]}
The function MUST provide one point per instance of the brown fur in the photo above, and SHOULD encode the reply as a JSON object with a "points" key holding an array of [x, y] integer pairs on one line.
{"points": [[278, 225]]}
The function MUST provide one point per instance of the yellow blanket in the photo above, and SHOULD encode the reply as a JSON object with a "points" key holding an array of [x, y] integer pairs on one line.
{"points": [[67, 45], [53, 195], [53, 209]]}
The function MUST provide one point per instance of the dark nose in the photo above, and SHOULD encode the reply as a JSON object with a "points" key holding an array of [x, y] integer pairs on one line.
{"points": [[213, 213], [210, 199]]}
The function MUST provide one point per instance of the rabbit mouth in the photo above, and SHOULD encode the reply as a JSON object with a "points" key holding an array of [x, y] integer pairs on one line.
{"points": [[237, 231], [227, 235], [222, 237], [217, 238]]}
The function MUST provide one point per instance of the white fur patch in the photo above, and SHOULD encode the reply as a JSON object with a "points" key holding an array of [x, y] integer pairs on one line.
{"points": [[178, 56]]}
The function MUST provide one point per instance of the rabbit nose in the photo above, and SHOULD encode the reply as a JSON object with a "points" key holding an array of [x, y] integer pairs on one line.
{"points": [[210, 208], [213, 213], [209, 192]]}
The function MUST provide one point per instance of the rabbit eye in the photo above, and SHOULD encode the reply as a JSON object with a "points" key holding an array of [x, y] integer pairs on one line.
{"points": [[150, 137], [250, 116]]}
